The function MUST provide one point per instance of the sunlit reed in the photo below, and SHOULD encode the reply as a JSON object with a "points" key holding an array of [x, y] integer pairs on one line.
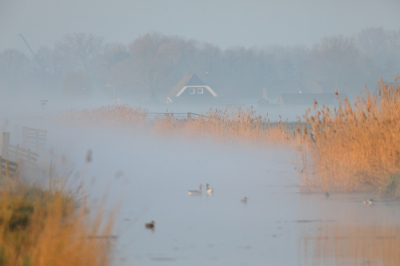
{"points": [[353, 147], [50, 226], [239, 124]]}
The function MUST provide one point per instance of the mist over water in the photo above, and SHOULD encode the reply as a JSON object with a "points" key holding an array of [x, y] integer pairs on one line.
{"points": [[146, 178], [88, 55], [215, 228]]}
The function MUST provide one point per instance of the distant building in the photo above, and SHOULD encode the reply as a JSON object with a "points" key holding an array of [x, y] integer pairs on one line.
{"points": [[309, 98], [191, 89]]}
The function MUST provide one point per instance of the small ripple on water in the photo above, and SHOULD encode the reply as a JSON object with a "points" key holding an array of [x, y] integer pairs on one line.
{"points": [[313, 221], [163, 259]]}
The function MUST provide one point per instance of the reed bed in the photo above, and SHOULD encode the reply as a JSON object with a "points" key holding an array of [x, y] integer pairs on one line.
{"points": [[354, 147], [233, 124], [111, 115], [42, 227]]}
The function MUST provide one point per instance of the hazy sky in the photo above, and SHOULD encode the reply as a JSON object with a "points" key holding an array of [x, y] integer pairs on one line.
{"points": [[221, 22]]}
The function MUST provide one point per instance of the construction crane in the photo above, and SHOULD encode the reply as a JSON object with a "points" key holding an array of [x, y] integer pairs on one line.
{"points": [[30, 49]]}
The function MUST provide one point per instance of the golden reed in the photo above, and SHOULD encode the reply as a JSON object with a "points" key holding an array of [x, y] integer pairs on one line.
{"points": [[40, 227], [353, 147], [233, 124], [350, 148]]}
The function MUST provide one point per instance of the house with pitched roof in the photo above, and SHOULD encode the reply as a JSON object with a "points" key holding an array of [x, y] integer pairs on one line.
{"points": [[191, 89]]}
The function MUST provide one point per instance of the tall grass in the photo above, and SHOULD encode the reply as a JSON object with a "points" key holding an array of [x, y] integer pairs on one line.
{"points": [[44, 227], [111, 115], [354, 147], [239, 124], [232, 124]]}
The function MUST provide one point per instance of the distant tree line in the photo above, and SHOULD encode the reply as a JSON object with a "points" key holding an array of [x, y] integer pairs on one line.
{"points": [[83, 65]]}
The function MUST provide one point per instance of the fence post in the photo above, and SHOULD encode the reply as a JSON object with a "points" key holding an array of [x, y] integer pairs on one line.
{"points": [[29, 158], [24, 137], [189, 114], [16, 153], [5, 145]]}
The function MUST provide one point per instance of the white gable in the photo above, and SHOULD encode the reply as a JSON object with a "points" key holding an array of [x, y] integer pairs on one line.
{"points": [[207, 87]]}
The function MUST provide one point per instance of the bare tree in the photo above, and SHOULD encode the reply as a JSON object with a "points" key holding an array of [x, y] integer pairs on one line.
{"points": [[373, 40], [78, 56], [78, 49], [335, 60], [117, 73], [380, 53], [153, 57], [15, 68], [393, 39]]}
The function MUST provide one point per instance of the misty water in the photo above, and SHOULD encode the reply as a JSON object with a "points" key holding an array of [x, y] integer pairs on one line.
{"points": [[79, 55], [146, 178]]}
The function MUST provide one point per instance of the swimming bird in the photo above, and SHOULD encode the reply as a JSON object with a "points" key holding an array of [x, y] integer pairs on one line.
{"points": [[195, 192], [150, 225], [244, 200], [209, 190], [368, 202], [327, 194]]}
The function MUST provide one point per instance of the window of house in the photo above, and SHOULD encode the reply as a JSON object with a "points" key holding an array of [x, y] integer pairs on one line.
{"points": [[199, 90], [192, 90]]}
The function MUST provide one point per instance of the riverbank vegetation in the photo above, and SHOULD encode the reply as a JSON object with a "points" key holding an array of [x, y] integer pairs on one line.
{"points": [[239, 124], [49, 226], [355, 147]]}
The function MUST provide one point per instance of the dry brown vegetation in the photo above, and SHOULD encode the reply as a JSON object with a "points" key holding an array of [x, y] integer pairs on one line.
{"points": [[49, 227], [235, 124], [351, 148], [111, 115], [354, 147]]}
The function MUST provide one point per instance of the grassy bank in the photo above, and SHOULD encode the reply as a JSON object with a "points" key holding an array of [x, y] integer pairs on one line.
{"points": [[40, 226]]}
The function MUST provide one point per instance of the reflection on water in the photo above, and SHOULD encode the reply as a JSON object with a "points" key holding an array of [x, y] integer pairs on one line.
{"points": [[255, 214], [353, 244], [357, 234]]}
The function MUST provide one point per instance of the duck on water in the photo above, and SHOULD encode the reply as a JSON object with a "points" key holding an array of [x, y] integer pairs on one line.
{"points": [[150, 225], [209, 190], [368, 202]]}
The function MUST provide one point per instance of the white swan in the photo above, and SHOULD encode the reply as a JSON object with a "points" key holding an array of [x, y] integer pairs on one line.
{"points": [[195, 192]]}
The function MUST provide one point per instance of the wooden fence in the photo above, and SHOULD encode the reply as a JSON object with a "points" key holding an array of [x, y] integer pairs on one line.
{"points": [[290, 127], [176, 115], [35, 139], [7, 168], [14, 155]]}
